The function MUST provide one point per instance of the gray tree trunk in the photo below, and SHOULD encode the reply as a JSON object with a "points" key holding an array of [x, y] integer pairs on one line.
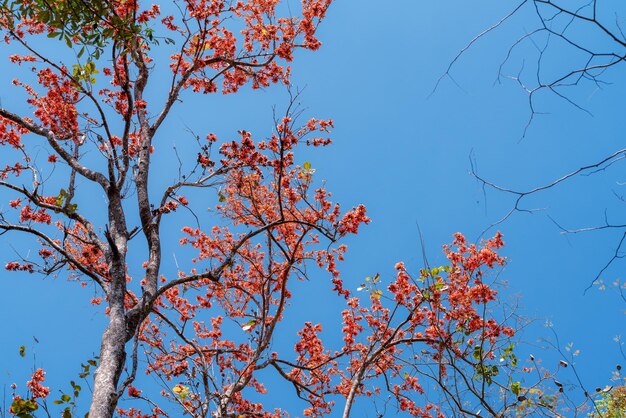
{"points": [[113, 346]]}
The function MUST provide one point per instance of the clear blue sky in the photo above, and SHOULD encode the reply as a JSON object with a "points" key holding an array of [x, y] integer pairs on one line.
{"points": [[405, 155]]}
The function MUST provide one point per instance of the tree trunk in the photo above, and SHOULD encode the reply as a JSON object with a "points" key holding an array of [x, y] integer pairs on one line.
{"points": [[107, 375], [113, 347]]}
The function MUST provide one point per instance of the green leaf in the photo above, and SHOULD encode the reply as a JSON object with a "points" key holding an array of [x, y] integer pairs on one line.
{"points": [[221, 197], [22, 407], [515, 388], [22, 351], [306, 165], [478, 352], [494, 370], [77, 71], [65, 397], [60, 198]]}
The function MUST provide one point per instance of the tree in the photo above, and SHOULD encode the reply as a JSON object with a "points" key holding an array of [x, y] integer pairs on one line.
{"points": [[208, 331], [74, 111]]}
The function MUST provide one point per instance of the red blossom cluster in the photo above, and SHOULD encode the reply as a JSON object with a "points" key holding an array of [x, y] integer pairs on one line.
{"points": [[15, 169], [27, 214], [56, 109], [15, 266], [10, 134], [35, 387], [169, 206], [88, 255], [133, 392], [137, 413]]}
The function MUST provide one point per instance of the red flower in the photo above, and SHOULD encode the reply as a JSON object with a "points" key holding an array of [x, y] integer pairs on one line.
{"points": [[134, 392], [37, 390]]}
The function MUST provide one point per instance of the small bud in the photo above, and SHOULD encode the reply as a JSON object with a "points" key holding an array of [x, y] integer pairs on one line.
{"points": [[563, 363], [532, 358]]}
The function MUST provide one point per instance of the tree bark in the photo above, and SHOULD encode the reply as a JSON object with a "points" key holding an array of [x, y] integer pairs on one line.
{"points": [[113, 345], [107, 376]]}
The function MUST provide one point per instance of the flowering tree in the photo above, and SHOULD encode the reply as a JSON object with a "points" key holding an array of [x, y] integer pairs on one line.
{"points": [[99, 104], [436, 334]]}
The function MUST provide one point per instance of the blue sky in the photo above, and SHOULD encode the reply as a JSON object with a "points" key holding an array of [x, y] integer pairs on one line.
{"points": [[404, 153]]}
